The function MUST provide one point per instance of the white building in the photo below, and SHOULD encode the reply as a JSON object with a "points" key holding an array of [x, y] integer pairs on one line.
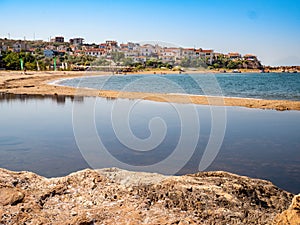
{"points": [[188, 53], [146, 50], [131, 54], [168, 55], [16, 47], [95, 52], [141, 59], [207, 55]]}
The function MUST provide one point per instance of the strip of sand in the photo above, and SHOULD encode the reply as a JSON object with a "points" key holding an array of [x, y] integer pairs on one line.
{"points": [[37, 83]]}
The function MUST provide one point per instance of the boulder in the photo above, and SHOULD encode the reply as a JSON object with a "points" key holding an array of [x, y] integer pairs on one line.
{"points": [[115, 196], [290, 216]]}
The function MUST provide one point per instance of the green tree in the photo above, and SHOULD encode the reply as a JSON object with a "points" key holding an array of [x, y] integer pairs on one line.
{"points": [[100, 62], [221, 61], [2, 64], [153, 63], [127, 61], [185, 62], [12, 61], [216, 65], [232, 65], [193, 62], [117, 57], [30, 65]]}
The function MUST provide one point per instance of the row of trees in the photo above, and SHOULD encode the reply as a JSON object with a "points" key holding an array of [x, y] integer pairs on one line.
{"points": [[11, 60], [37, 61]]}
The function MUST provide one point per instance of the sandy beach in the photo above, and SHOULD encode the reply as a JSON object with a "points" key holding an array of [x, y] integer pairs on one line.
{"points": [[38, 83]]}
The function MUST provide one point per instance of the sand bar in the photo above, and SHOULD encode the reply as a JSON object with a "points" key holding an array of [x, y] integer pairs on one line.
{"points": [[37, 83]]}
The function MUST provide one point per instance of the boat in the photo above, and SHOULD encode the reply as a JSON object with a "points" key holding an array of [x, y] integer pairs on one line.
{"points": [[236, 71]]}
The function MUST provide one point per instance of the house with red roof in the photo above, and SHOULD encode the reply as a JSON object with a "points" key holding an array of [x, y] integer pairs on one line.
{"points": [[250, 57], [234, 55], [98, 52]]}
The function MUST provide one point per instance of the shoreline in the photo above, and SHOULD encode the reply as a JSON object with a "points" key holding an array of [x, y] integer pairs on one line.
{"points": [[42, 83]]}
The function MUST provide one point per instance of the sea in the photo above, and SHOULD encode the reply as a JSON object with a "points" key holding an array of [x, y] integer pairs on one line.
{"points": [[273, 86], [57, 135]]}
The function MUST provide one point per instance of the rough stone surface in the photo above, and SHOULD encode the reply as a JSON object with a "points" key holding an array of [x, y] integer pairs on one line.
{"points": [[290, 216], [113, 196], [10, 196]]}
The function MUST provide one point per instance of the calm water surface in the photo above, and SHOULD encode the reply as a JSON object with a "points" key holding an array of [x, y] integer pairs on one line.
{"points": [[36, 134], [254, 85]]}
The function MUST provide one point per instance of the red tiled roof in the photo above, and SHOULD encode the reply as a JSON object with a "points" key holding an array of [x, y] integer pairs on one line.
{"points": [[234, 54], [169, 50], [173, 49], [249, 55], [207, 51], [189, 49]]}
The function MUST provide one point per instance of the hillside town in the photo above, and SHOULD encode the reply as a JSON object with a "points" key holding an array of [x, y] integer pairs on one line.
{"points": [[75, 54]]}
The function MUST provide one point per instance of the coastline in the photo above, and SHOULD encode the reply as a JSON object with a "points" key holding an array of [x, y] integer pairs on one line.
{"points": [[113, 196], [43, 83]]}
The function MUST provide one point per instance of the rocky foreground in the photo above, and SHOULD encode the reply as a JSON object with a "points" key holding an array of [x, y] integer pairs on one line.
{"points": [[113, 196]]}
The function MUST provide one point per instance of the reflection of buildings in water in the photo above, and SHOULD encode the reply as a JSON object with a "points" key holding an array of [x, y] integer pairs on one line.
{"points": [[59, 99]]}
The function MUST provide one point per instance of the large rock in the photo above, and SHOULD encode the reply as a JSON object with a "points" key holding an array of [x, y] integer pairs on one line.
{"points": [[10, 196], [113, 196], [291, 216]]}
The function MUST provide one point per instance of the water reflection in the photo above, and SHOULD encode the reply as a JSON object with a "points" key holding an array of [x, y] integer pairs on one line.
{"points": [[59, 99], [36, 134]]}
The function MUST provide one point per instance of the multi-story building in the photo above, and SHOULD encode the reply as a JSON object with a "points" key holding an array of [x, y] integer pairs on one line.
{"points": [[76, 41], [250, 57], [19, 46], [169, 54], [124, 47], [111, 46], [234, 55], [146, 50], [98, 52], [208, 55], [188, 53], [141, 59], [58, 39], [3, 46], [130, 54], [102, 45]]}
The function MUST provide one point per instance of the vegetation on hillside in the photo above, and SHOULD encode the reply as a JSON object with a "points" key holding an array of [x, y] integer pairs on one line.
{"points": [[37, 60], [226, 63]]}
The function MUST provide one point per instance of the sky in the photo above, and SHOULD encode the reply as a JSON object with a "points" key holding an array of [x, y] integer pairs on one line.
{"points": [[269, 29]]}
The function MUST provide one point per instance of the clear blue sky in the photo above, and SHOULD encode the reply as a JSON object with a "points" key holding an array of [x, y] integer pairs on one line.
{"points": [[270, 29]]}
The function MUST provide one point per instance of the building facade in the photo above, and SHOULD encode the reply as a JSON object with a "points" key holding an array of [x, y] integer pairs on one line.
{"points": [[58, 39]]}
